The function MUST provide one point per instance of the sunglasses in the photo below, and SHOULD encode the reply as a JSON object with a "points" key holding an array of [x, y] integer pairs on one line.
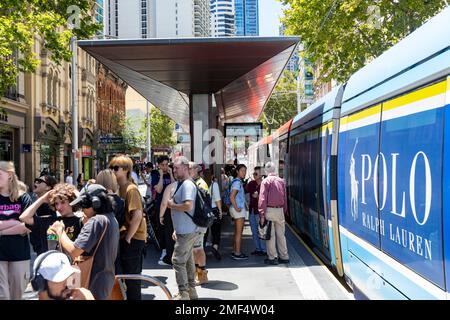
{"points": [[115, 168], [39, 181]]}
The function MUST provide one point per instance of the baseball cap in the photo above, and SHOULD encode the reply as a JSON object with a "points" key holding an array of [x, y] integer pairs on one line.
{"points": [[55, 267], [91, 189]]}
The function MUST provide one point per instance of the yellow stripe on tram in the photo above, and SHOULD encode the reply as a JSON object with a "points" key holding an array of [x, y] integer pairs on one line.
{"points": [[417, 95], [328, 126], [362, 114]]}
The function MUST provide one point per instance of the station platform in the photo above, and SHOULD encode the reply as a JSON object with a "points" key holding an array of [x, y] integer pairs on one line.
{"points": [[305, 278]]}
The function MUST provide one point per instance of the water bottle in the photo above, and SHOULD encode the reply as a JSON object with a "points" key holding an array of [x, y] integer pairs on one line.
{"points": [[52, 241]]}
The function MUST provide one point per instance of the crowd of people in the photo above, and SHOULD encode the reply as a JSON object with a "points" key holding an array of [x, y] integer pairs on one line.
{"points": [[100, 226]]}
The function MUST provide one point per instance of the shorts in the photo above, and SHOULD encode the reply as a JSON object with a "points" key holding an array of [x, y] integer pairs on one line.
{"points": [[237, 215], [199, 240]]}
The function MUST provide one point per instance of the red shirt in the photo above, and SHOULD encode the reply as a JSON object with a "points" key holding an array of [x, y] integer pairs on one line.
{"points": [[272, 194], [251, 187]]}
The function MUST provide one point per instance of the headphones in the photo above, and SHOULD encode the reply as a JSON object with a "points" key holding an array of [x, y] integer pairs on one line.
{"points": [[89, 201], [38, 282]]}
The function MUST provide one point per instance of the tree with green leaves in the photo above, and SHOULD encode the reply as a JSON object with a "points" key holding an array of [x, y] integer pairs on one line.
{"points": [[282, 105], [161, 129], [341, 36], [22, 20]]}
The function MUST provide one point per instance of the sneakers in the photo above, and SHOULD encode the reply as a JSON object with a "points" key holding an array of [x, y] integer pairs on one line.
{"points": [[193, 294], [162, 263], [259, 253], [239, 256], [273, 262], [286, 261], [202, 276], [216, 253], [182, 295], [163, 254]]}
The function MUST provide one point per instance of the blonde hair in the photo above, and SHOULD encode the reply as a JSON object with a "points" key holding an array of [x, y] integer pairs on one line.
{"points": [[108, 179], [22, 186], [15, 192], [124, 162]]}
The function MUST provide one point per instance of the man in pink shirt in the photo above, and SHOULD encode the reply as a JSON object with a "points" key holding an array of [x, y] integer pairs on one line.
{"points": [[272, 206]]}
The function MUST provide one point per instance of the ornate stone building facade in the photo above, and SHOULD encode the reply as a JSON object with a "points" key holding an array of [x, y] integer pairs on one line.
{"points": [[111, 92], [49, 92]]}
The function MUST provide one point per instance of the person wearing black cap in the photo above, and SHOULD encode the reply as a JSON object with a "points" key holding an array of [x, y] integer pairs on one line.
{"points": [[98, 238]]}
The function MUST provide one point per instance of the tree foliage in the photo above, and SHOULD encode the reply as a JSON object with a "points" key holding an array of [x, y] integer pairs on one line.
{"points": [[282, 106], [135, 131], [343, 35], [22, 22], [161, 129]]}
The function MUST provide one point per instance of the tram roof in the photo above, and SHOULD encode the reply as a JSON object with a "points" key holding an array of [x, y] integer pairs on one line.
{"points": [[321, 106], [241, 72], [408, 63]]}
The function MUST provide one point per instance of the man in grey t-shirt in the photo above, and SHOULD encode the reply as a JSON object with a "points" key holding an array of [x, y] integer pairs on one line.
{"points": [[185, 232]]}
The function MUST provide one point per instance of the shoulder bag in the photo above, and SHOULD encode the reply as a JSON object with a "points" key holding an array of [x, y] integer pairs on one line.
{"points": [[84, 263]]}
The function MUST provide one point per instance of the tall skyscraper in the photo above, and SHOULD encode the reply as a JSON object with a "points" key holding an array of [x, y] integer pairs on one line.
{"points": [[247, 21], [157, 18], [222, 18]]}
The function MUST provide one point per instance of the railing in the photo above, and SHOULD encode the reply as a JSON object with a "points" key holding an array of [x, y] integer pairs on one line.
{"points": [[144, 278]]}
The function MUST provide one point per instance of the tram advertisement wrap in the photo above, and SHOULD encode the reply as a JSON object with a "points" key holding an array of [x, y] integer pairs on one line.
{"points": [[392, 168]]}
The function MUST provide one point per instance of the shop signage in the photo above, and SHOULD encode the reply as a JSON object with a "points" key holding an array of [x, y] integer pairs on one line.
{"points": [[86, 151]]}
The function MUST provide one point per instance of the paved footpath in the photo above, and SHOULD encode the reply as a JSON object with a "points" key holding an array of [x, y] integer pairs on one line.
{"points": [[304, 278]]}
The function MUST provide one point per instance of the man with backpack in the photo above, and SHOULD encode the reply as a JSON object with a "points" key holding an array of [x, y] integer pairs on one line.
{"points": [[185, 230], [199, 252]]}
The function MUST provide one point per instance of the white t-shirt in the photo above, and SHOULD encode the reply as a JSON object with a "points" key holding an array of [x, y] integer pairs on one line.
{"points": [[69, 180], [215, 194], [135, 177]]}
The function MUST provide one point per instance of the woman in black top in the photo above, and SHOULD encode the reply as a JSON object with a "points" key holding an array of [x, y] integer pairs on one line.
{"points": [[14, 243]]}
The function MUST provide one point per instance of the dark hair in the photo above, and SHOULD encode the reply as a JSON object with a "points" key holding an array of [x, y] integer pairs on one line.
{"points": [[50, 181], [107, 204], [257, 168], [149, 165], [163, 158], [236, 170], [229, 168]]}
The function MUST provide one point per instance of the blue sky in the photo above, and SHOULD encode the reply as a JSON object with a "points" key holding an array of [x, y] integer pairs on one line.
{"points": [[269, 17]]}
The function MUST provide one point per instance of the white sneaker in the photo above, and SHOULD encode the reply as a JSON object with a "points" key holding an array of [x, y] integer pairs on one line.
{"points": [[162, 263], [163, 254]]}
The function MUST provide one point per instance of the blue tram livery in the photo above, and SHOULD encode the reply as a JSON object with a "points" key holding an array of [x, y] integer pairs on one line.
{"points": [[368, 174]]}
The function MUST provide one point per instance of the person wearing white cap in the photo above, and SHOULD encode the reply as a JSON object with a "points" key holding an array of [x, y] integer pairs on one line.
{"points": [[54, 278]]}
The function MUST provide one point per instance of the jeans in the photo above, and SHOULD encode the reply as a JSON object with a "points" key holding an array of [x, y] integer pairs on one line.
{"points": [[131, 263], [216, 232], [254, 221]]}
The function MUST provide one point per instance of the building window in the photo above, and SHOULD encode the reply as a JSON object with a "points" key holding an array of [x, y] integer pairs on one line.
{"points": [[49, 88]]}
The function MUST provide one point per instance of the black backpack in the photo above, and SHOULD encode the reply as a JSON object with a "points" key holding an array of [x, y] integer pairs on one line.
{"points": [[203, 214]]}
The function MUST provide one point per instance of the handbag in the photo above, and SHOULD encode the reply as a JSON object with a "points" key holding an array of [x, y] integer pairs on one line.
{"points": [[265, 230], [84, 263]]}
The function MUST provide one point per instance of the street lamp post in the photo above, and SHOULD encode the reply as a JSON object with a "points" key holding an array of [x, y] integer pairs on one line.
{"points": [[149, 148], [74, 110]]}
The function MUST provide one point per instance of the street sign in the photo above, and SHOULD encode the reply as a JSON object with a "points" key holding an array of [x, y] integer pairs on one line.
{"points": [[26, 148], [111, 140], [183, 138]]}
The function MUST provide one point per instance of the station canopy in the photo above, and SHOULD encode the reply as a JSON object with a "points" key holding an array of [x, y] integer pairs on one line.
{"points": [[241, 72]]}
